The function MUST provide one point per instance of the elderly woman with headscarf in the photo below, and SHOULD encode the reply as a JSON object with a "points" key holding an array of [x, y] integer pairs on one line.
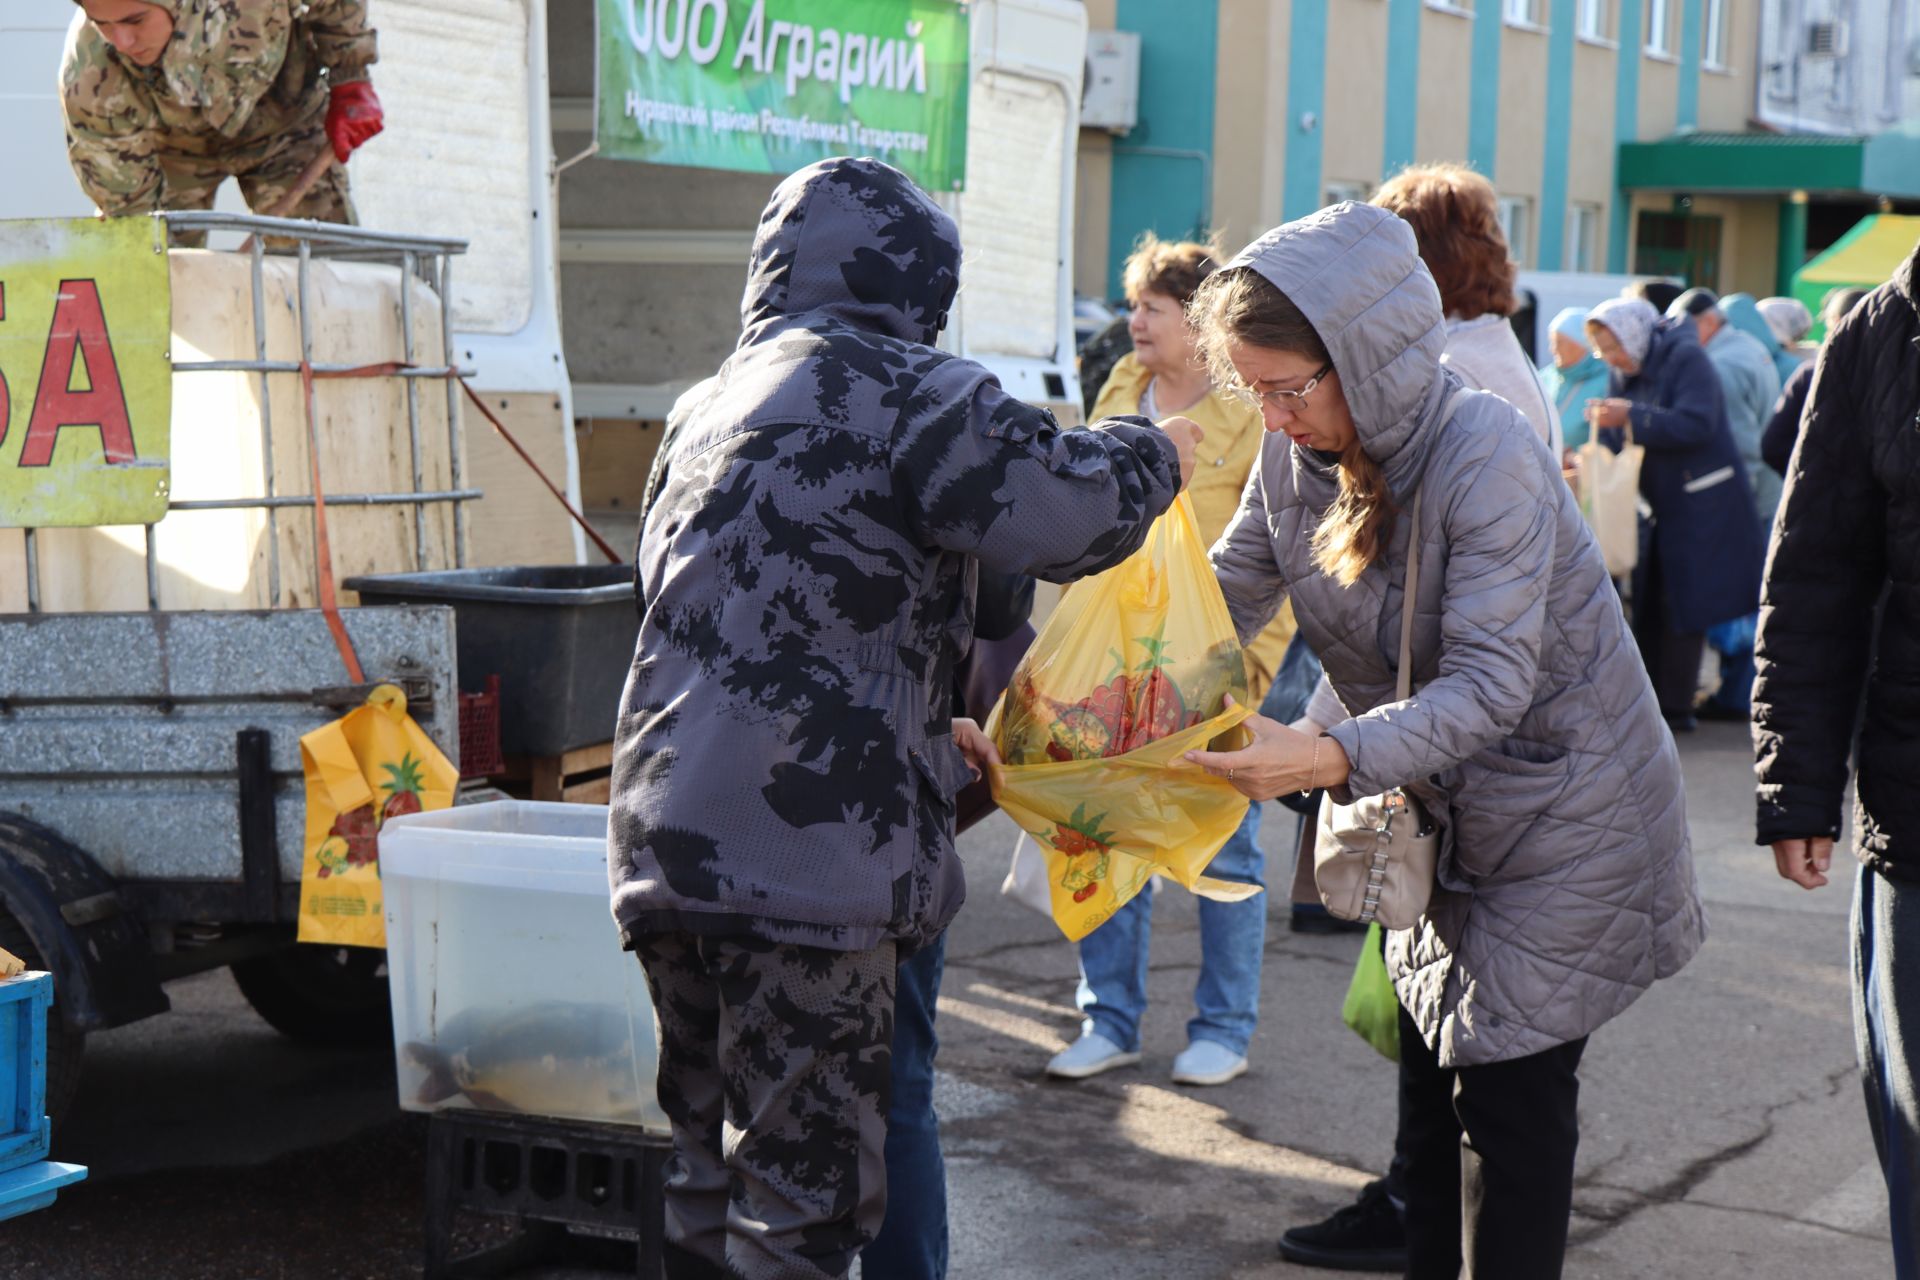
{"points": [[1575, 376], [1704, 567]]}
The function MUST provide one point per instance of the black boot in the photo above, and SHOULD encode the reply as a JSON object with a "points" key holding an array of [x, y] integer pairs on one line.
{"points": [[1367, 1235]]}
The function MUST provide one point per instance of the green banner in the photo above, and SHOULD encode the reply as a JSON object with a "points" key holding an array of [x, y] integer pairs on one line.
{"points": [[773, 85]]}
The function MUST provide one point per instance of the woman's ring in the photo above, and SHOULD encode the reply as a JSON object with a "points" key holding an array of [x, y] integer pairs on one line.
{"points": [[1229, 775]]}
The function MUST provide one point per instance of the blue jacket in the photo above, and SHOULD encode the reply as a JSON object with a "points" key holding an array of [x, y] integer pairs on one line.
{"points": [[1706, 534], [1570, 389], [1751, 384]]}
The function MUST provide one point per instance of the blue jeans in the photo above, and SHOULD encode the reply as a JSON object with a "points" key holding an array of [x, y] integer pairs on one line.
{"points": [[912, 1244], [1233, 935], [1886, 1013]]}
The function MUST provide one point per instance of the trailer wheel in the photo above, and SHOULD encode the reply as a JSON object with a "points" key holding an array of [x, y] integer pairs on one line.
{"points": [[319, 994], [65, 1047]]}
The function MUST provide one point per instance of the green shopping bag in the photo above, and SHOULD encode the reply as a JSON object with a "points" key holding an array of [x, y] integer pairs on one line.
{"points": [[1371, 1007]]}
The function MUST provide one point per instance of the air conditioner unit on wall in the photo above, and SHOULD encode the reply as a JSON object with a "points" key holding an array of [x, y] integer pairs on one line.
{"points": [[1826, 40], [1111, 96]]}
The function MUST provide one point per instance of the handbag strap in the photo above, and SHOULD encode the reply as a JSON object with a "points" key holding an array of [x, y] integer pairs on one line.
{"points": [[1404, 686]]}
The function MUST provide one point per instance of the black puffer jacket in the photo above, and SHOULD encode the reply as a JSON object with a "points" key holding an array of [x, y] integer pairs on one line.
{"points": [[1849, 530]]}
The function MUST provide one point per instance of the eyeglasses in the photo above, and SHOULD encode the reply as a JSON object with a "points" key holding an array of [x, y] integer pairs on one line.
{"points": [[1291, 401]]}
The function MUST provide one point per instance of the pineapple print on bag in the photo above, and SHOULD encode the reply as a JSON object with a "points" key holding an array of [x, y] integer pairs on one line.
{"points": [[362, 771], [1087, 848], [404, 783]]}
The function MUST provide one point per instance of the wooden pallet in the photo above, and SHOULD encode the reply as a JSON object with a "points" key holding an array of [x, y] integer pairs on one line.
{"points": [[581, 776]]}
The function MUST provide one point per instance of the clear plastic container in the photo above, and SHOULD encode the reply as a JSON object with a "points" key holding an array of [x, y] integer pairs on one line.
{"points": [[510, 990]]}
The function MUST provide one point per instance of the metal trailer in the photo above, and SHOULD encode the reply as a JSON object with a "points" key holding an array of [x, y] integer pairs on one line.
{"points": [[151, 798]]}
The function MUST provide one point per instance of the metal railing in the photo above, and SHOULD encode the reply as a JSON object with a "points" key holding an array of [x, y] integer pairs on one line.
{"points": [[426, 258]]}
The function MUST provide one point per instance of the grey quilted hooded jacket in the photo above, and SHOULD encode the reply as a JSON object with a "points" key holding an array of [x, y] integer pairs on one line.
{"points": [[784, 765], [1566, 880]]}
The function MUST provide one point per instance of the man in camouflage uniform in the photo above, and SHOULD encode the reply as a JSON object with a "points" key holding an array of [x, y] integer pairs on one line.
{"points": [[166, 98], [785, 760]]}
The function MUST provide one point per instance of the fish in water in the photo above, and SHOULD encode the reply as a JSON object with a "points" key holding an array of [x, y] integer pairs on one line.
{"points": [[560, 1059]]}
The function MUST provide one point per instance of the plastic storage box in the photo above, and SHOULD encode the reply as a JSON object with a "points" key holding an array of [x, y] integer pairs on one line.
{"points": [[510, 990], [28, 1180], [560, 637]]}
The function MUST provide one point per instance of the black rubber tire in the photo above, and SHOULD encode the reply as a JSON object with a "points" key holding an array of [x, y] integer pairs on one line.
{"points": [[66, 1048], [320, 995]]}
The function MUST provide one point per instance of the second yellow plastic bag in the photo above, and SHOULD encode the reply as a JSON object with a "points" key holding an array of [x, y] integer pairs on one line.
{"points": [[372, 764], [1131, 671]]}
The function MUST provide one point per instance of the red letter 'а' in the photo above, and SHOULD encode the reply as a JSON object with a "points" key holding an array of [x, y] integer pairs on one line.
{"points": [[78, 325]]}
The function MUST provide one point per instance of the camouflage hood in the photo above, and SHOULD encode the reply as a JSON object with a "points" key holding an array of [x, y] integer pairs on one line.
{"points": [[852, 242]]}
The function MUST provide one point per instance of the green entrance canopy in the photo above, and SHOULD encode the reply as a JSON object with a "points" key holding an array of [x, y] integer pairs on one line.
{"points": [[1886, 164], [1864, 258]]}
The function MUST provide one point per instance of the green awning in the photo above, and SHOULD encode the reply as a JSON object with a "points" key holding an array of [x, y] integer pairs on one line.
{"points": [[1774, 164], [1864, 258]]}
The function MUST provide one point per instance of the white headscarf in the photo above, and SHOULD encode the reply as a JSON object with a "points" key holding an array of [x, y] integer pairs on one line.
{"points": [[1630, 321], [1787, 317]]}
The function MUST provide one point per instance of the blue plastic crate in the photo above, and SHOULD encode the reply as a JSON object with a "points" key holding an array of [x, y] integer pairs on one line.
{"points": [[34, 1187], [24, 1131]]}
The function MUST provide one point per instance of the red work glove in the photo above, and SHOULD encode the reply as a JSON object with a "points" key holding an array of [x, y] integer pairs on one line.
{"points": [[353, 116]]}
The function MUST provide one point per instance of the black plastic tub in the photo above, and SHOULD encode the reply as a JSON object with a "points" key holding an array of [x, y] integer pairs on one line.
{"points": [[560, 637]]}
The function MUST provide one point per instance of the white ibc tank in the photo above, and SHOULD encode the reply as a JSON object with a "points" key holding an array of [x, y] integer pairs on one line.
{"points": [[219, 559]]}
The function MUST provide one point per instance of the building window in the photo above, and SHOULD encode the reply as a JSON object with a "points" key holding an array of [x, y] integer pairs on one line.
{"points": [[1583, 237], [1713, 53], [1593, 19], [1660, 28], [1525, 13], [1516, 223], [1358, 192]]}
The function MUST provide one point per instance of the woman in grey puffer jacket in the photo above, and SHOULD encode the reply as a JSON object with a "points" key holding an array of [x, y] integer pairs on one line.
{"points": [[1566, 880]]}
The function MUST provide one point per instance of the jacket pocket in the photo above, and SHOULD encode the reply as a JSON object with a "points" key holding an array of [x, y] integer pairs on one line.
{"points": [[1518, 756], [942, 767], [1503, 794]]}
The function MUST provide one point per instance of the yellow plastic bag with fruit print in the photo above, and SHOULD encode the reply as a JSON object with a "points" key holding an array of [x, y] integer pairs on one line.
{"points": [[1132, 670], [372, 764]]}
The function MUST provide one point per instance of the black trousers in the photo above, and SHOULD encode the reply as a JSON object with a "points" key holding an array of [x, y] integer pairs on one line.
{"points": [[1486, 1157], [1672, 657]]}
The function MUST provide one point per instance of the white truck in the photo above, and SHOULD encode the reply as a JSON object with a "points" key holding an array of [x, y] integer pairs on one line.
{"points": [[150, 822]]}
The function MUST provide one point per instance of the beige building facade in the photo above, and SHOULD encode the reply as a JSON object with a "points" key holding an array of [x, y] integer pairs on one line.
{"points": [[1255, 111]]}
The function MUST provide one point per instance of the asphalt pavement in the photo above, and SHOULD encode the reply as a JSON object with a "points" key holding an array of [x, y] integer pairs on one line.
{"points": [[1722, 1129]]}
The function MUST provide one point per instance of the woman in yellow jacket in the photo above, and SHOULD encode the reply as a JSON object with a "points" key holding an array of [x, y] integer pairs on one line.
{"points": [[1163, 377]]}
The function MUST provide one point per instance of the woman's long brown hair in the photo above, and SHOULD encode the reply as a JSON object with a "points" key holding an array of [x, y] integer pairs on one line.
{"points": [[1241, 306]]}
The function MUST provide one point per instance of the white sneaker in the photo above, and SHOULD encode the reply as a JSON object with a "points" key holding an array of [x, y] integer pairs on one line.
{"points": [[1208, 1062], [1091, 1054]]}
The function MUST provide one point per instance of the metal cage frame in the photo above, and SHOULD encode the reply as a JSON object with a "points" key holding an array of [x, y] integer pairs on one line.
{"points": [[427, 258]]}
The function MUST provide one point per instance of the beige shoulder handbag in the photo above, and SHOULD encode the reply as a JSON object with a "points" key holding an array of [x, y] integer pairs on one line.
{"points": [[1374, 859]]}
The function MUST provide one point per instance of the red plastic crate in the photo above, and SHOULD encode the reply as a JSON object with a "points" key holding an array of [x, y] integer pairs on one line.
{"points": [[480, 732]]}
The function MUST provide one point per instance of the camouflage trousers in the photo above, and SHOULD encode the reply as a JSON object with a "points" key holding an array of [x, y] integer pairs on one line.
{"points": [[267, 172], [776, 1071]]}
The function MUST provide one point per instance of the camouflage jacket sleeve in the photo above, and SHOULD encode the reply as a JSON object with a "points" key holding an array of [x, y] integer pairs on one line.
{"points": [[342, 38], [110, 141], [999, 479]]}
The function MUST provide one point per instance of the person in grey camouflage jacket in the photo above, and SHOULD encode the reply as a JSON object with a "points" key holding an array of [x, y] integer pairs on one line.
{"points": [[785, 763], [165, 99]]}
